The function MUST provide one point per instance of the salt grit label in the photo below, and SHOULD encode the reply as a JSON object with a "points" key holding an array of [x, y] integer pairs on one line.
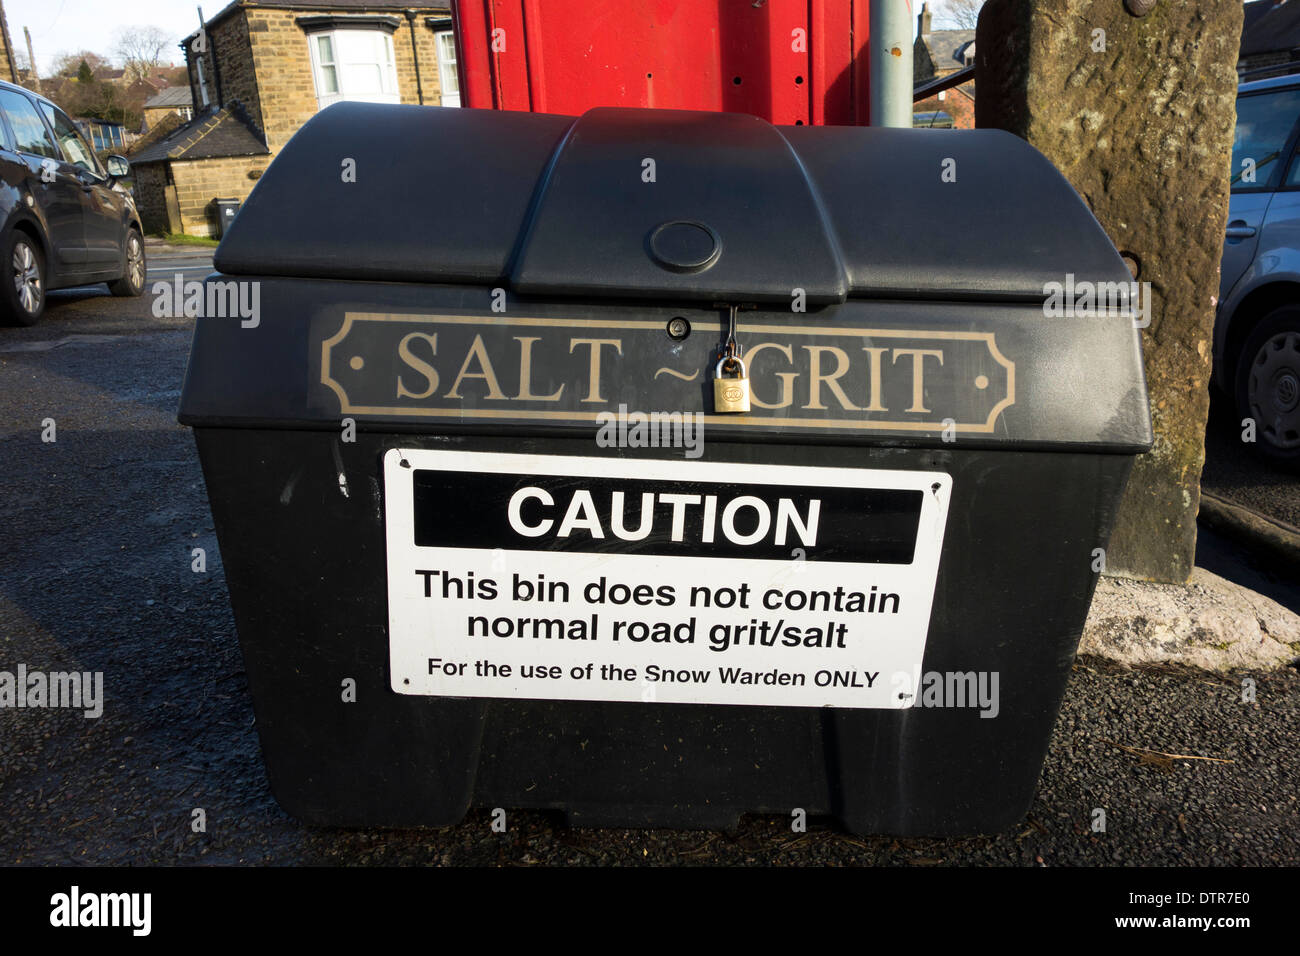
{"points": [[573, 578], [567, 372]]}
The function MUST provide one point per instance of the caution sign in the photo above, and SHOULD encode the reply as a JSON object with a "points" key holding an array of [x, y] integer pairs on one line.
{"points": [[574, 578]]}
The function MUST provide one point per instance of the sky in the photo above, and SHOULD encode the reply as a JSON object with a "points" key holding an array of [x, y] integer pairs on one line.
{"points": [[66, 26]]}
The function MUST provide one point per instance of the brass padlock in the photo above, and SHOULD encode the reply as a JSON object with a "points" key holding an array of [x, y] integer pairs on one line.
{"points": [[730, 394]]}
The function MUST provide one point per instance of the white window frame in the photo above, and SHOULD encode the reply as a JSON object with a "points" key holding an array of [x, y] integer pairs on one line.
{"points": [[391, 91], [448, 78]]}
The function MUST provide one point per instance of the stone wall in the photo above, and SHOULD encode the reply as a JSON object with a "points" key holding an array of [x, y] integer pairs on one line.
{"points": [[1138, 114], [152, 115], [8, 67], [161, 129], [149, 187], [200, 181], [229, 39]]}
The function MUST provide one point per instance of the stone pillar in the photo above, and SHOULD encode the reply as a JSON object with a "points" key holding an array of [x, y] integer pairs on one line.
{"points": [[1137, 111], [8, 68]]}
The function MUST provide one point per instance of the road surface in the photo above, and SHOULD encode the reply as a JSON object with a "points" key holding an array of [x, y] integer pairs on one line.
{"points": [[95, 575]]}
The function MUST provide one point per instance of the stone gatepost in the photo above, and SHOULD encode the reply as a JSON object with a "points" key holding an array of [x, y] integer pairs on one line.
{"points": [[1134, 101]]}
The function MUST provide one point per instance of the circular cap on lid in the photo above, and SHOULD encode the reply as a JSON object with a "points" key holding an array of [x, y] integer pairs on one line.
{"points": [[683, 246]]}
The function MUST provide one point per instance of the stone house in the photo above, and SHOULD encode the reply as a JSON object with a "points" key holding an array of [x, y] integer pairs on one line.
{"points": [[1270, 37], [936, 54], [259, 69], [171, 100]]}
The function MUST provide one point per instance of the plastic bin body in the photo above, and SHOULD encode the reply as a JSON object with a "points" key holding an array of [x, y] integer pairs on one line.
{"points": [[226, 210], [1037, 456]]}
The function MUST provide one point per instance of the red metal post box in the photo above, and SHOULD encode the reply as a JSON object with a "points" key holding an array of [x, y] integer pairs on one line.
{"points": [[791, 62]]}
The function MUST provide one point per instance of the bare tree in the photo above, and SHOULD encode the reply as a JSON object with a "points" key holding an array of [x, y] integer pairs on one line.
{"points": [[959, 14], [141, 49], [67, 64]]}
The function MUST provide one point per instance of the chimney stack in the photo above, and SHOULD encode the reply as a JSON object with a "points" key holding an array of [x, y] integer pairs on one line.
{"points": [[923, 21]]}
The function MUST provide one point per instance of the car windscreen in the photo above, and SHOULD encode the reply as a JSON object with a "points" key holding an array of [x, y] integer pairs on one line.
{"points": [[1264, 125]]}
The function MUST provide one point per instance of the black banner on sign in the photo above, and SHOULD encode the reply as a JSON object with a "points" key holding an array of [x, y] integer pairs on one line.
{"points": [[550, 371], [657, 517]]}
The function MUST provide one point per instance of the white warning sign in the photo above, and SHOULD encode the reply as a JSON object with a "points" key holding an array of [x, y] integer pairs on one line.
{"points": [[574, 578]]}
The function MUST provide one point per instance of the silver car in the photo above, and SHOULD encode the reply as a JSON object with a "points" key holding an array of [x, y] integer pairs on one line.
{"points": [[1257, 329]]}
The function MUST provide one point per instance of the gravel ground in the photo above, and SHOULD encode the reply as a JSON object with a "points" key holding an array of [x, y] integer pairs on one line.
{"points": [[95, 574]]}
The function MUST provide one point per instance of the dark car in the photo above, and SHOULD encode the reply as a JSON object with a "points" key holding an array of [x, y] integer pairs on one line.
{"points": [[65, 222]]}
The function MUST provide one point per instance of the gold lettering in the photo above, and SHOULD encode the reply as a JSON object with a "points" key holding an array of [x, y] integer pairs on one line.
{"points": [[526, 373], [817, 377], [918, 367], [477, 351], [787, 378], [593, 392], [418, 364], [874, 372]]}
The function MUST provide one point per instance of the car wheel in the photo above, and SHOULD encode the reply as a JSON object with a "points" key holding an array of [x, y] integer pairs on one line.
{"points": [[132, 281], [1268, 384], [22, 289]]}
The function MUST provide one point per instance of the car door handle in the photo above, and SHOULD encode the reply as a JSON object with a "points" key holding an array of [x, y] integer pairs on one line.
{"points": [[1238, 229]]}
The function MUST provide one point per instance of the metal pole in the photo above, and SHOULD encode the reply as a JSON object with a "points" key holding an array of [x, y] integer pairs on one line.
{"points": [[415, 55], [890, 55]]}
